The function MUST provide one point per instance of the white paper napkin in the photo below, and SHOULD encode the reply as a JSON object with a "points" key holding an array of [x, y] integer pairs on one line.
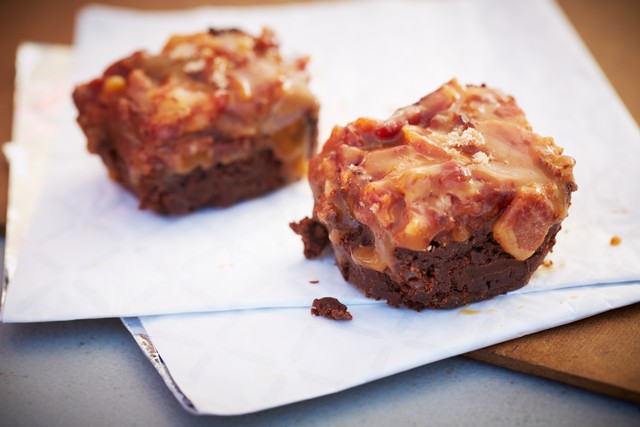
{"points": [[91, 253], [231, 363]]}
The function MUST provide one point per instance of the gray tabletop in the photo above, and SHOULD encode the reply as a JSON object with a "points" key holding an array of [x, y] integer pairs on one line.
{"points": [[91, 373]]}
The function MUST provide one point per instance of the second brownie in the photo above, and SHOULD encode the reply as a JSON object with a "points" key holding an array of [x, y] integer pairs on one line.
{"points": [[214, 119]]}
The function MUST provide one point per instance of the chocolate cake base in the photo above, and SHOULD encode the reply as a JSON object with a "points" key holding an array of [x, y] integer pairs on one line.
{"points": [[219, 186], [446, 276]]}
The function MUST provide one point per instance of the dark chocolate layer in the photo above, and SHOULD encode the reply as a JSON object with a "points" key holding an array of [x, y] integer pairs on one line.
{"points": [[446, 276], [219, 186]]}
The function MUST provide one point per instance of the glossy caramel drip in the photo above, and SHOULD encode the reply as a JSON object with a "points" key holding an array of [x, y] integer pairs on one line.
{"points": [[208, 98], [461, 161]]}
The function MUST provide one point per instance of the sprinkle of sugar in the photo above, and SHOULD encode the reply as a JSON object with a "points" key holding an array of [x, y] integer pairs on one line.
{"points": [[194, 66], [480, 157], [615, 241], [219, 78], [219, 74], [470, 136], [183, 51]]}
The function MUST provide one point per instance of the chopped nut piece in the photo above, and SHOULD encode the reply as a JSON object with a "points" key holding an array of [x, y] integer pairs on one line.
{"points": [[194, 66], [480, 157]]}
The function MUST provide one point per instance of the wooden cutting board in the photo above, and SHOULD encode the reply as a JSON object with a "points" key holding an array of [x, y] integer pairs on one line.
{"points": [[601, 353]]}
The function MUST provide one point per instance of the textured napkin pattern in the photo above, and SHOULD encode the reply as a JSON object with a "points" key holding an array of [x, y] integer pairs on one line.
{"points": [[236, 362]]}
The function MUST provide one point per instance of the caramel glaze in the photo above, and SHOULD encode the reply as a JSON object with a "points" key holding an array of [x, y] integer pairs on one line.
{"points": [[206, 98], [460, 162]]}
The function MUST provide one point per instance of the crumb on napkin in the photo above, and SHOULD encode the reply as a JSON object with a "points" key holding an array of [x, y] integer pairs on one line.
{"points": [[330, 308]]}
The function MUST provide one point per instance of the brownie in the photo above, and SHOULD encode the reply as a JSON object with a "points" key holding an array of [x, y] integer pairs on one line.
{"points": [[330, 308], [452, 200], [215, 118]]}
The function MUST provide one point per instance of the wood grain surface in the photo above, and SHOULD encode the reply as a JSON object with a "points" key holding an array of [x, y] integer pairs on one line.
{"points": [[600, 353]]}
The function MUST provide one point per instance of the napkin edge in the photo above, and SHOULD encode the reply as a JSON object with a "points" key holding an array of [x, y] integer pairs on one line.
{"points": [[140, 335]]}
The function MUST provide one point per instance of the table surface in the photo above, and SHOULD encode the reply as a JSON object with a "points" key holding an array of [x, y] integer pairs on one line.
{"points": [[92, 373]]}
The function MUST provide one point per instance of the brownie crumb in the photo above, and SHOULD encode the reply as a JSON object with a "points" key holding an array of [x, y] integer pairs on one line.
{"points": [[313, 282], [314, 236], [330, 308]]}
